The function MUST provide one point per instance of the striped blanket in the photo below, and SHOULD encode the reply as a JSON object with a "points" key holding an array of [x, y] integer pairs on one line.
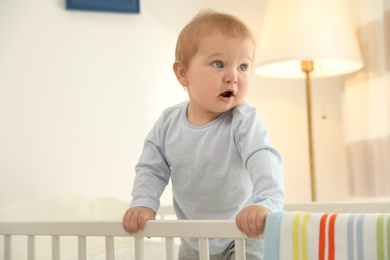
{"points": [[309, 236]]}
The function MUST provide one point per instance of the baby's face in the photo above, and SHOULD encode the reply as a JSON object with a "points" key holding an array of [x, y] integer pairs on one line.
{"points": [[218, 74]]}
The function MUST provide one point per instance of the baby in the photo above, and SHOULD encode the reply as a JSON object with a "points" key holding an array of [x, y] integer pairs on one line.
{"points": [[214, 147]]}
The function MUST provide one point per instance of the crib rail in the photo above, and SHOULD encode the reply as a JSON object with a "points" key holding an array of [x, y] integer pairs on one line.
{"points": [[168, 229]]}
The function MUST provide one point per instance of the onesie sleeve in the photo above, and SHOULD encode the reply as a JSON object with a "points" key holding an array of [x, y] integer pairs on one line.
{"points": [[152, 171], [263, 162]]}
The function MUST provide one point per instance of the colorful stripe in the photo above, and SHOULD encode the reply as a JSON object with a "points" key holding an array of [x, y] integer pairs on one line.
{"points": [[306, 236], [388, 237], [322, 242], [305, 223], [322, 239], [380, 237], [272, 235], [295, 234], [300, 236]]}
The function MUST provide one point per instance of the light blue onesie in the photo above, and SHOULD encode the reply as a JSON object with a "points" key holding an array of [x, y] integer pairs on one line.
{"points": [[216, 169]]}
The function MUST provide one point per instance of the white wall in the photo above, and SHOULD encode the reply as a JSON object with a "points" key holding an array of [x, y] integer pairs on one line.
{"points": [[80, 90]]}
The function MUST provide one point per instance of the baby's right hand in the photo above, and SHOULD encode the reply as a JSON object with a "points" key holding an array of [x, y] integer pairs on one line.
{"points": [[135, 218]]}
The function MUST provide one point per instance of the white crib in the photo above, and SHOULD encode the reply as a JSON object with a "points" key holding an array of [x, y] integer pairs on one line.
{"points": [[166, 229]]}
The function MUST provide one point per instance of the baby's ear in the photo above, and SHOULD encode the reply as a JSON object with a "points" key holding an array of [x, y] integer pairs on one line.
{"points": [[180, 73]]}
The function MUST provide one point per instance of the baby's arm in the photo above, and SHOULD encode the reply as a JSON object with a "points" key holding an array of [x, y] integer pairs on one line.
{"points": [[135, 218], [251, 220]]}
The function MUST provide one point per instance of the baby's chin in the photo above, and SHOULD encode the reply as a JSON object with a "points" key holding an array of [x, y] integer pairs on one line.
{"points": [[228, 106]]}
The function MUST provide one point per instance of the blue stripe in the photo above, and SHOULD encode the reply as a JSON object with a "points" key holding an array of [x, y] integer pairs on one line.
{"points": [[359, 237], [350, 231], [272, 236]]}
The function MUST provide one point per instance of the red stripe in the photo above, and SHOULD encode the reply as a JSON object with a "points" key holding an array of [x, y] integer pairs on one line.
{"points": [[321, 246], [331, 236]]}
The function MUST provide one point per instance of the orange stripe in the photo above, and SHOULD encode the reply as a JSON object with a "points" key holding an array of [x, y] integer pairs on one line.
{"points": [[321, 246], [331, 236]]}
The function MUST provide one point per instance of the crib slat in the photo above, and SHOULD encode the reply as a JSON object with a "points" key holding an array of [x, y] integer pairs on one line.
{"points": [[82, 247], [110, 253], [31, 247], [139, 248], [240, 249], [7, 247], [55, 247], [204, 252], [169, 243]]}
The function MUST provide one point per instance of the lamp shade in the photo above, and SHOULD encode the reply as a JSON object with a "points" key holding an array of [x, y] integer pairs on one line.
{"points": [[317, 30]]}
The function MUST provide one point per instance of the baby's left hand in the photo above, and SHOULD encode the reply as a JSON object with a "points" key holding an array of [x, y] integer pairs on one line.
{"points": [[251, 220]]}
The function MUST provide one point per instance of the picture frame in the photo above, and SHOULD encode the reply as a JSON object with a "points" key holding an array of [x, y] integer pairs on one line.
{"points": [[120, 6]]}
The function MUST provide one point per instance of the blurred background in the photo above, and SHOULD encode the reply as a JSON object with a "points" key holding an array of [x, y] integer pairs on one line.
{"points": [[79, 92]]}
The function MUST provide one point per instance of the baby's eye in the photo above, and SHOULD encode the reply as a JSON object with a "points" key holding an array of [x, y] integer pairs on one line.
{"points": [[217, 64], [243, 67]]}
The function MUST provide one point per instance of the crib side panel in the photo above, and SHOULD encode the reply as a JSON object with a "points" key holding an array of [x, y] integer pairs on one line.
{"points": [[110, 229]]}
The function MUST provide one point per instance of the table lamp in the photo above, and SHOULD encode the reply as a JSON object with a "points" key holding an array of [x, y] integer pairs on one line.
{"points": [[307, 38]]}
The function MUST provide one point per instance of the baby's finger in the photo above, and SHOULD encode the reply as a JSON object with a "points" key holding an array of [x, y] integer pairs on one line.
{"points": [[126, 223], [252, 224], [238, 222], [134, 223], [245, 226], [142, 218]]}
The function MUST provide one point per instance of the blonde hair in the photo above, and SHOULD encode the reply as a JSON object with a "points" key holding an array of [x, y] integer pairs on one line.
{"points": [[207, 22]]}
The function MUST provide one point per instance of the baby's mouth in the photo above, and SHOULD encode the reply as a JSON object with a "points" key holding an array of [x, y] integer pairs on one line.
{"points": [[227, 94]]}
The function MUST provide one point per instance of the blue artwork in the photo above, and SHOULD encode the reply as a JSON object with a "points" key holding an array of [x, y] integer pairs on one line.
{"points": [[121, 6]]}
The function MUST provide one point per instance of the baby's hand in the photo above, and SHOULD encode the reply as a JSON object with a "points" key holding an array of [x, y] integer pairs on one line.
{"points": [[251, 220], [135, 218]]}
